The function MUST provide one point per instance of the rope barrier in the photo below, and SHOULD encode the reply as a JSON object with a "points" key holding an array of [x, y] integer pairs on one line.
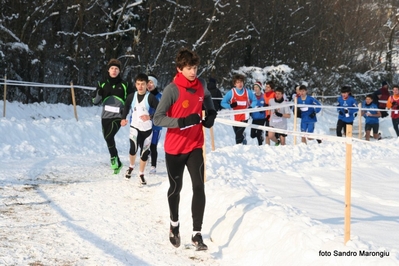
{"points": [[297, 133], [228, 113], [45, 85], [289, 104], [36, 84]]}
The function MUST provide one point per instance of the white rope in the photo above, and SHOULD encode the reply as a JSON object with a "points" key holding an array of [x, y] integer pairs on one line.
{"points": [[336, 96], [44, 85], [277, 130], [297, 133], [251, 110], [230, 112], [36, 84]]}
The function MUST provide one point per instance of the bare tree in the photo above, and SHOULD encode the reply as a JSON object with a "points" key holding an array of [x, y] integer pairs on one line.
{"points": [[63, 41]]}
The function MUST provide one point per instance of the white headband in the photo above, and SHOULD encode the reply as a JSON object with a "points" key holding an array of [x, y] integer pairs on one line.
{"points": [[154, 80]]}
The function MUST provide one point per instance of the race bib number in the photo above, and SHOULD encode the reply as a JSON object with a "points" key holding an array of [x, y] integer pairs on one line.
{"points": [[241, 103], [277, 119], [304, 109], [111, 109]]}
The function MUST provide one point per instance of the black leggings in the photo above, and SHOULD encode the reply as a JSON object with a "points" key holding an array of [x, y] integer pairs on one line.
{"points": [[142, 140], [154, 154], [239, 133], [110, 128], [395, 124], [258, 133], [195, 165], [156, 134], [342, 125]]}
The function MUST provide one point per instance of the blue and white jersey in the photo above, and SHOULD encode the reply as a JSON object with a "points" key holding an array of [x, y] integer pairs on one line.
{"points": [[306, 111], [345, 112], [370, 119], [139, 109], [260, 102]]}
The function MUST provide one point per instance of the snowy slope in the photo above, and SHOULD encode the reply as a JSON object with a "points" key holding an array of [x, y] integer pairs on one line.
{"points": [[60, 204]]}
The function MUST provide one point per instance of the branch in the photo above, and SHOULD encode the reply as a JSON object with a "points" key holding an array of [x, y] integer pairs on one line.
{"points": [[96, 35], [168, 30], [127, 6], [232, 39], [28, 19], [121, 10], [212, 19], [177, 4], [9, 33], [302, 32]]}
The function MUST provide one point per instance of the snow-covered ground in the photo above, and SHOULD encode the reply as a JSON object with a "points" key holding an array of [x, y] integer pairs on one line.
{"points": [[60, 204]]}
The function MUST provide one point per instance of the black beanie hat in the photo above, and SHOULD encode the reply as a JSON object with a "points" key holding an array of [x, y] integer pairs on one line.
{"points": [[345, 89]]}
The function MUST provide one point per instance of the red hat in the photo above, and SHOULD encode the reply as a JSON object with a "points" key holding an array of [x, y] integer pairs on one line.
{"points": [[258, 84]]}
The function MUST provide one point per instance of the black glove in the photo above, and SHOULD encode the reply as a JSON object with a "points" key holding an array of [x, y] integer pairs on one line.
{"points": [[346, 111], [278, 114], [209, 119], [394, 104], [312, 115], [341, 113], [189, 120], [355, 114], [233, 104]]}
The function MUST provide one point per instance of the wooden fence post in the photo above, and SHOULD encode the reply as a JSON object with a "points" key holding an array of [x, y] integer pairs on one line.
{"points": [[295, 116], [359, 114], [5, 96], [74, 102], [212, 138], [203, 148], [348, 184]]}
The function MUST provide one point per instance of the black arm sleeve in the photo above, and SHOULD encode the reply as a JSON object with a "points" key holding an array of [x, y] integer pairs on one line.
{"points": [[153, 101], [128, 103]]}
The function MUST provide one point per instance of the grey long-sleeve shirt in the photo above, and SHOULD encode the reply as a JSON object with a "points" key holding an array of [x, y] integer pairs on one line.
{"points": [[169, 96]]}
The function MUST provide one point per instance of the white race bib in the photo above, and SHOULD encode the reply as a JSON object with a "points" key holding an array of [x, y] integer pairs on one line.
{"points": [[241, 103], [304, 109], [111, 109], [277, 119]]}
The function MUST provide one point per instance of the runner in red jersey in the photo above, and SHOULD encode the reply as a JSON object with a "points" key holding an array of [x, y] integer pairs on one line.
{"points": [[180, 110]]}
